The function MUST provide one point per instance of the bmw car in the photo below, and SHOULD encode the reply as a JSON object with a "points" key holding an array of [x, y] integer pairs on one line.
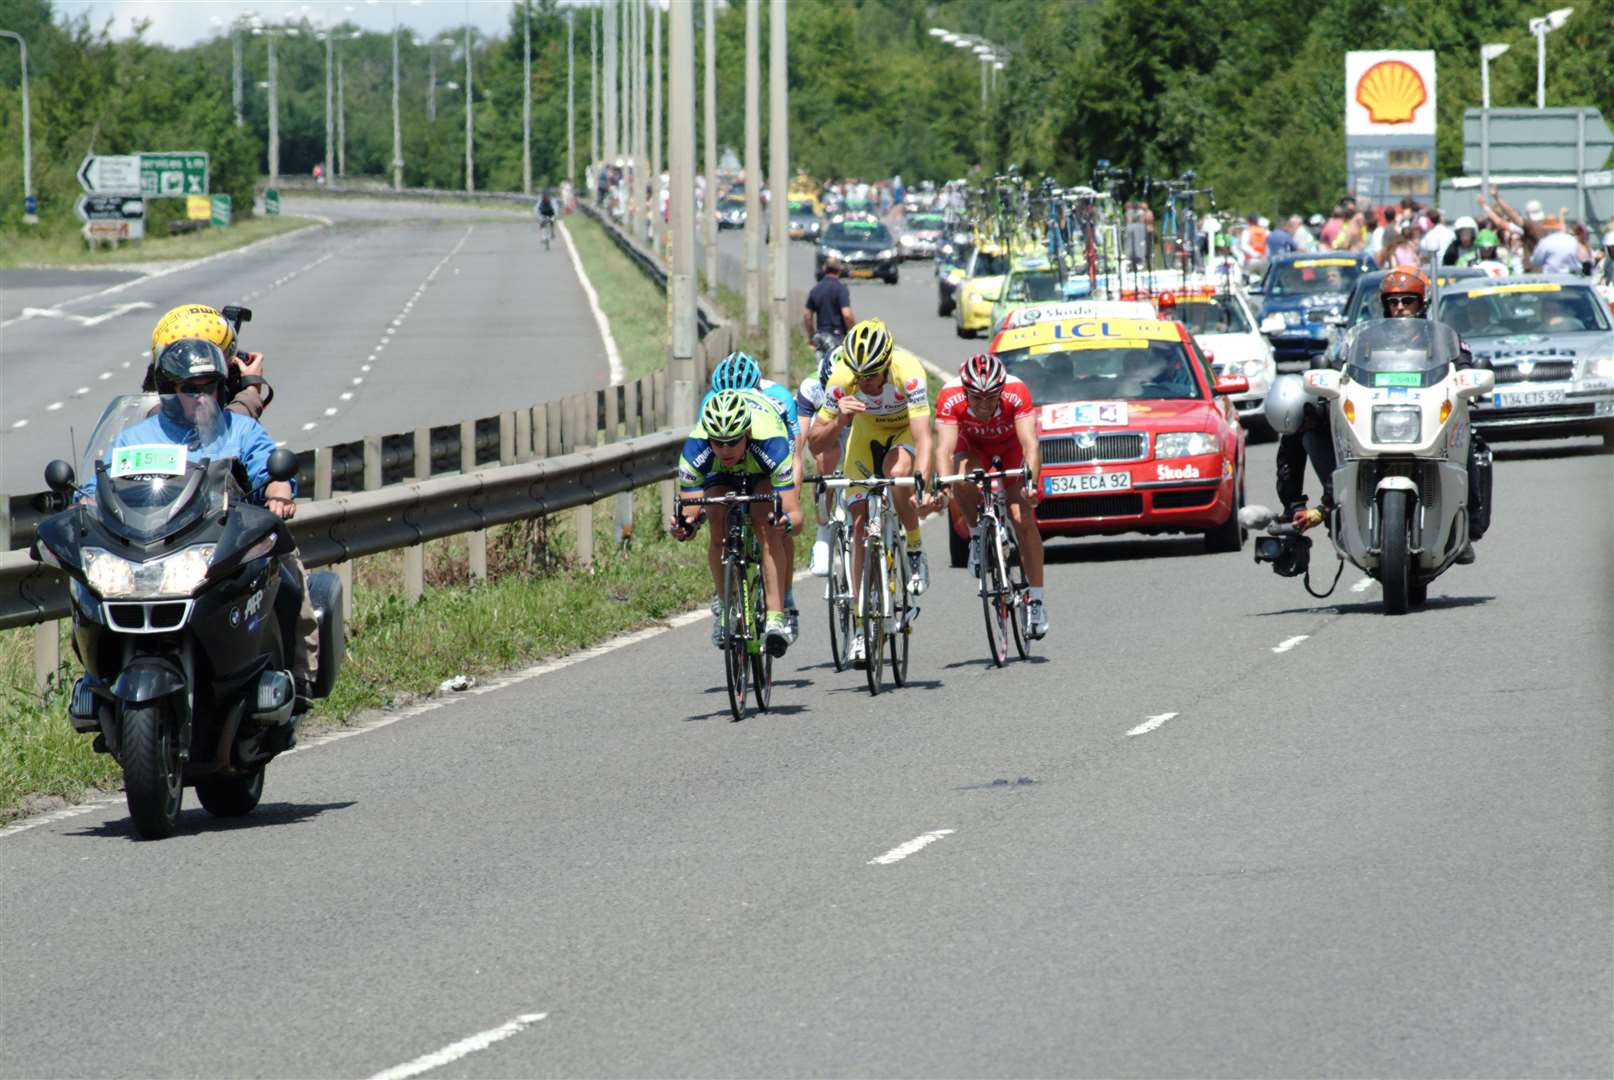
{"points": [[1550, 340], [1300, 294]]}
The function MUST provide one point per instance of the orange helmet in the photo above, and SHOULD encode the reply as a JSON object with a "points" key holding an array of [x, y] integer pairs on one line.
{"points": [[1404, 281]]}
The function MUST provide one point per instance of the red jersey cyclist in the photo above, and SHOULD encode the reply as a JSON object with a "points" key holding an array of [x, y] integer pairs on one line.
{"points": [[987, 413]]}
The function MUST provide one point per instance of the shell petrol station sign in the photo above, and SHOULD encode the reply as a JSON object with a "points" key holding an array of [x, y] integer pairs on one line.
{"points": [[1390, 125]]}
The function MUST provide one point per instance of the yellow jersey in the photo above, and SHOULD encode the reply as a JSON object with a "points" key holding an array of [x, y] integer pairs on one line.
{"points": [[904, 395]]}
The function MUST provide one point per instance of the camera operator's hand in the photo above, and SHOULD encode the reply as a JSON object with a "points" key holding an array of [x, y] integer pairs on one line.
{"points": [[249, 363], [1307, 519]]}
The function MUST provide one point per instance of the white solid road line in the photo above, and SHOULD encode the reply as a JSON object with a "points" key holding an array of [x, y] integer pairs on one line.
{"points": [[1289, 643], [613, 358], [1150, 724], [902, 851], [454, 1051]]}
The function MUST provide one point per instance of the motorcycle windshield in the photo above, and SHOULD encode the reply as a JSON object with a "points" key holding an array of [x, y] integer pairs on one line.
{"points": [[1400, 352], [146, 463]]}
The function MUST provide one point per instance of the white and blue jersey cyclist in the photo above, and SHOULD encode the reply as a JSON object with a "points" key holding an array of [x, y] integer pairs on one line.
{"points": [[738, 371]]}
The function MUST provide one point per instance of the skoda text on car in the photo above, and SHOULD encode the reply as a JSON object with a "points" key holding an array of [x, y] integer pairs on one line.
{"points": [[1550, 341], [863, 244], [1224, 325], [1136, 434], [1066, 310], [1300, 294]]}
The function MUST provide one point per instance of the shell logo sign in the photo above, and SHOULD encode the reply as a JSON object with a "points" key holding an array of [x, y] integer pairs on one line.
{"points": [[1390, 93]]}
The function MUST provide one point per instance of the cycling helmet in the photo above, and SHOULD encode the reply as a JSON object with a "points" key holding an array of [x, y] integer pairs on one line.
{"points": [[736, 371], [1286, 403], [727, 416], [188, 359], [1486, 238], [1404, 281], [867, 348], [982, 374], [193, 321]]}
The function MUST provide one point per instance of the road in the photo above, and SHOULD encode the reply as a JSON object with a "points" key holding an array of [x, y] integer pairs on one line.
{"points": [[1217, 828], [396, 316]]}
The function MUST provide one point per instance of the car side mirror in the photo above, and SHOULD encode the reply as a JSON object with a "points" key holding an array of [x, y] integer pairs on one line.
{"points": [[59, 477], [282, 465], [1232, 384], [993, 295], [1475, 382], [1323, 383]]}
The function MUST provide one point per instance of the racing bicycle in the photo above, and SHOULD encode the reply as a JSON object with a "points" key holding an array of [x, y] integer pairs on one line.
{"points": [[884, 613], [546, 230], [742, 607], [1005, 596], [839, 592]]}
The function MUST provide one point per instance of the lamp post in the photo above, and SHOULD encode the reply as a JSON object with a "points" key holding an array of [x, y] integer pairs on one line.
{"points": [[526, 95], [991, 55], [1541, 27], [753, 168], [571, 100], [333, 156], [269, 34], [778, 186], [30, 213], [397, 119], [470, 162], [1487, 54], [681, 158], [709, 124]]}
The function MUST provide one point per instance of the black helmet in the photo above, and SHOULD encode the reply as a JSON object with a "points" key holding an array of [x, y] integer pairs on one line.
{"points": [[187, 359]]}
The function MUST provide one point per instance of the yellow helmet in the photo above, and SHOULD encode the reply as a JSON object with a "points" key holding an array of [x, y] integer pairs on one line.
{"points": [[193, 321], [867, 348]]}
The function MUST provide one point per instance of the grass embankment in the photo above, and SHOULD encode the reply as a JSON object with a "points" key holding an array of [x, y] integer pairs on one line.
{"points": [[71, 250], [533, 606]]}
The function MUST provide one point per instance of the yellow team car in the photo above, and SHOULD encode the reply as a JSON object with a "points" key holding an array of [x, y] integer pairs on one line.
{"points": [[978, 291]]}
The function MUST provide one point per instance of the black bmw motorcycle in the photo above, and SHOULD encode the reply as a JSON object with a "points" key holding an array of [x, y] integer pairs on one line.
{"points": [[184, 614]]}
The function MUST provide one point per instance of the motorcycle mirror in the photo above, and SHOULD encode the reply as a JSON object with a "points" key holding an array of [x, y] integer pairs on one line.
{"points": [[282, 465], [59, 476]]}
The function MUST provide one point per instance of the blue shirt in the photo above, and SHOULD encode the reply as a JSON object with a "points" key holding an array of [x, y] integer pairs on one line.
{"points": [[238, 437], [1279, 242], [782, 400]]}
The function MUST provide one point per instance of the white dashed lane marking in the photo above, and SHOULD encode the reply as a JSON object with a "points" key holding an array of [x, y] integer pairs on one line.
{"points": [[1150, 724], [902, 851], [1289, 643], [454, 1051]]}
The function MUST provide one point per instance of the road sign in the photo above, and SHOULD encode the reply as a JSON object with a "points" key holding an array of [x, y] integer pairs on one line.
{"points": [[129, 209], [110, 230], [198, 207], [117, 174], [172, 175], [271, 203], [30, 205], [221, 212]]}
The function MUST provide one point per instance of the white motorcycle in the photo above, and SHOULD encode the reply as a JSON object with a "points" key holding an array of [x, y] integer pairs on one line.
{"points": [[1401, 429]]}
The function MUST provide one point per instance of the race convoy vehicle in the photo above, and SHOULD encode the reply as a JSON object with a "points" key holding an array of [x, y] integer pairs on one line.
{"points": [[950, 272], [975, 295], [1066, 310], [1550, 341], [801, 222], [1300, 293], [863, 244], [731, 212], [1031, 280], [1223, 324], [922, 235], [1137, 435]]}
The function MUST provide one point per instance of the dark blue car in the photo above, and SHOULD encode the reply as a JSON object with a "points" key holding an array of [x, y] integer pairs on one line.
{"points": [[1300, 292]]}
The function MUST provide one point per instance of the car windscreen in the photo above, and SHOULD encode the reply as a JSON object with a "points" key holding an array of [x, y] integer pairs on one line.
{"points": [[1534, 308], [1033, 286], [989, 265], [1307, 277], [857, 232], [1213, 315], [732, 202], [1119, 370], [924, 222]]}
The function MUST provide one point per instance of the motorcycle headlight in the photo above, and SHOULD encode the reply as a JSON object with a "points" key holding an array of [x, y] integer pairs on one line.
{"points": [[1397, 423], [179, 574], [1176, 444]]}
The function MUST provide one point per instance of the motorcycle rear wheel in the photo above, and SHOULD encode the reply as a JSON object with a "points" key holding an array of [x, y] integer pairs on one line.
{"points": [[231, 796], [153, 777]]}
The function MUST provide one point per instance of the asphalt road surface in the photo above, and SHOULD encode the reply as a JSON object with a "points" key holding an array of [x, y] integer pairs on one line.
{"points": [[1215, 828], [396, 316]]}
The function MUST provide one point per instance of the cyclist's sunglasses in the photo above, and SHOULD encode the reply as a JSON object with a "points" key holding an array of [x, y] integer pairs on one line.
{"points": [[725, 444]]}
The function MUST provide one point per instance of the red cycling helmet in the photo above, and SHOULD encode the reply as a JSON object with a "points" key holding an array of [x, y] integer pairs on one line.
{"points": [[982, 374]]}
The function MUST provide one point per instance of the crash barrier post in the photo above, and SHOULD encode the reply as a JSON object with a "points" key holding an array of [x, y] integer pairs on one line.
{"points": [[476, 541], [584, 435], [47, 653], [414, 565], [322, 491]]}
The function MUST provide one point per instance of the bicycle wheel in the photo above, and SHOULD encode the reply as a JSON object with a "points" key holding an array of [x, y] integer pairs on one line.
{"points": [[761, 658], [898, 637], [838, 590], [874, 568], [994, 591], [1020, 610], [734, 661]]}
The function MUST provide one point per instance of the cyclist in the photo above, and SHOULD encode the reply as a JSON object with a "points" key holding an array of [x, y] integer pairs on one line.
{"points": [[546, 212], [884, 405], [738, 371], [982, 414], [250, 392], [740, 443]]}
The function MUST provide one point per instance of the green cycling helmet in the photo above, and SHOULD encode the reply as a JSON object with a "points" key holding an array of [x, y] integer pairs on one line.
{"points": [[727, 416], [1486, 238]]}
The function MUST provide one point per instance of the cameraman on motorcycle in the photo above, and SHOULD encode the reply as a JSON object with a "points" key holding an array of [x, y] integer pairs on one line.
{"points": [[1403, 294], [249, 392]]}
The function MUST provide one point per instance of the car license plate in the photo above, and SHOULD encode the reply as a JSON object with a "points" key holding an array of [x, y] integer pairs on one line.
{"points": [[1518, 399], [1084, 483], [862, 273]]}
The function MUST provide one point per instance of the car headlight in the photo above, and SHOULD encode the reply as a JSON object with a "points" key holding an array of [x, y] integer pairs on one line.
{"points": [[1599, 365], [1176, 444], [1397, 423], [888, 253], [909, 241], [1292, 318], [1272, 324], [178, 574], [832, 253]]}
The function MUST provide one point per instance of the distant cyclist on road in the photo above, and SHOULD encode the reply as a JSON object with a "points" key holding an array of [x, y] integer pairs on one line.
{"points": [[546, 214]]}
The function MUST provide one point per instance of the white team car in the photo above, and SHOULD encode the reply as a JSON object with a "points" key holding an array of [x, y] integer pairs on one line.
{"points": [[1225, 325]]}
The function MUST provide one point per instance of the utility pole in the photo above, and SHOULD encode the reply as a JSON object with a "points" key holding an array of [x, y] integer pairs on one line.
{"points": [[594, 86], [753, 167], [526, 93], [330, 111], [608, 84], [30, 215], [778, 184], [431, 83], [625, 96], [681, 154], [236, 91], [397, 120], [571, 103], [274, 114], [470, 162], [341, 121], [659, 227], [709, 122], [641, 129]]}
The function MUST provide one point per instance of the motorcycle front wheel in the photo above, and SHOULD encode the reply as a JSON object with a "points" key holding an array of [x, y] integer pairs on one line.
{"points": [[1395, 552], [231, 796], [153, 777]]}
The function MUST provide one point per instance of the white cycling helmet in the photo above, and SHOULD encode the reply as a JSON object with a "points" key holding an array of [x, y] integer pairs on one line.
{"points": [[1286, 403]]}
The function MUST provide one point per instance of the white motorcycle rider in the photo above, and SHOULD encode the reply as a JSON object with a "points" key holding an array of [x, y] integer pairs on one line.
{"points": [[1401, 429]]}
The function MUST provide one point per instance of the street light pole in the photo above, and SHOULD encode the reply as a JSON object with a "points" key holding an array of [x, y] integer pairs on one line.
{"points": [[235, 55], [571, 101], [330, 111], [274, 114], [753, 168], [1541, 27], [397, 119], [341, 120], [709, 122], [526, 94], [681, 153], [659, 226], [608, 84], [594, 86], [30, 215], [470, 162], [778, 185], [1487, 54]]}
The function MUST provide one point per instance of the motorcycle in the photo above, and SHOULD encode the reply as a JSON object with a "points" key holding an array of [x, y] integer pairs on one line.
{"points": [[184, 613], [1401, 430]]}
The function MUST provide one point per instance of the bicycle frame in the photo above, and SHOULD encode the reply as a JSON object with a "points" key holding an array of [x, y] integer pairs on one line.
{"points": [[742, 562]]}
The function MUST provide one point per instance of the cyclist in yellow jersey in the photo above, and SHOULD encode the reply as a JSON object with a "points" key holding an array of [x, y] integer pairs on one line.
{"points": [[885, 402]]}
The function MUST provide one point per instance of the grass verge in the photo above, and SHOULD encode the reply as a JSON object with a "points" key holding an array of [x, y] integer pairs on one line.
{"points": [[633, 305], [70, 250]]}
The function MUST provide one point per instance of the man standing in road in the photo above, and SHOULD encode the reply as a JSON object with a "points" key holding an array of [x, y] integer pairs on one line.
{"points": [[829, 305]]}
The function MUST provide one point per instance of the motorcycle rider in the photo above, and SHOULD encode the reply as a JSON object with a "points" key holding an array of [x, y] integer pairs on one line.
{"points": [[249, 392], [1403, 294]]}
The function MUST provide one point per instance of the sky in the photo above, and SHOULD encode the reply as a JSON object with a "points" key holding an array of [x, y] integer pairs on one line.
{"points": [[185, 22]]}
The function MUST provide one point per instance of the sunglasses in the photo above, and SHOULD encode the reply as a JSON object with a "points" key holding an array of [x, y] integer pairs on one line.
{"points": [[1402, 301], [725, 444], [199, 389]]}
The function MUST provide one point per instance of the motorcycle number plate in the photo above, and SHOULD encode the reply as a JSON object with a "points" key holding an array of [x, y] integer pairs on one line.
{"points": [[157, 459], [1522, 398], [1083, 483]]}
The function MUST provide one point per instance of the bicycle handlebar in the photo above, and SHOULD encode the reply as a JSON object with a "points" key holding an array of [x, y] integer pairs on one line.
{"points": [[837, 483], [727, 500], [981, 476]]}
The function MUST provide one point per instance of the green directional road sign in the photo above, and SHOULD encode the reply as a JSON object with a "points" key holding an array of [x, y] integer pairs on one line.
{"points": [[221, 212], [173, 175], [271, 202]]}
